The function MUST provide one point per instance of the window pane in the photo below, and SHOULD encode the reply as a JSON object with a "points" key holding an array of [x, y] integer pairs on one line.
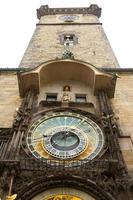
{"points": [[51, 97], [80, 98]]}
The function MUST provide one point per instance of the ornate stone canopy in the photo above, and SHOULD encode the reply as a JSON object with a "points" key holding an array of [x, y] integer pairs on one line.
{"points": [[67, 70]]}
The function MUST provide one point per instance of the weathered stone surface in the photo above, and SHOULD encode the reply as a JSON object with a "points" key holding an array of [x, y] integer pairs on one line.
{"points": [[93, 45], [123, 109], [123, 103], [9, 99]]}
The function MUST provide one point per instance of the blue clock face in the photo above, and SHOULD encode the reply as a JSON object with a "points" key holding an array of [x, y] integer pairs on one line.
{"points": [[68, 18], [65, 136]]}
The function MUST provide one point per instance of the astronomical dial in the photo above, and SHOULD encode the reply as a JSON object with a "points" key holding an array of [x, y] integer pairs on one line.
{"points": [[63, 193], [65, 136], [65, 142]]}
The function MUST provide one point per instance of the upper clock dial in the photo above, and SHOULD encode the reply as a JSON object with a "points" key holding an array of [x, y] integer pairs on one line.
{"points": [[68, 18], [65, 135]]}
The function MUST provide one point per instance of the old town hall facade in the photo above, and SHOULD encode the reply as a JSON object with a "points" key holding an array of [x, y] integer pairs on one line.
{"points": [[66, 114]]}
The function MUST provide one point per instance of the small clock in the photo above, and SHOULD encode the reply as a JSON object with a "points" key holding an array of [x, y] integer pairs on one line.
{"points": [[65, 136], [68, 18]]}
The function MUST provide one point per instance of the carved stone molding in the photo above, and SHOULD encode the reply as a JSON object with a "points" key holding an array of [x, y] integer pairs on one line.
{"points": [[42, 184]]}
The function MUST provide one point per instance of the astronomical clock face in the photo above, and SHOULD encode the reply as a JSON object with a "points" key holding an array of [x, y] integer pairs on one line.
{"points": [[63, 193], [65, 136]]}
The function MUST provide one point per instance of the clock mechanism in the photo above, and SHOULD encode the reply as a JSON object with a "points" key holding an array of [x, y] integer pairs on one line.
{"points": [[65, 136]]}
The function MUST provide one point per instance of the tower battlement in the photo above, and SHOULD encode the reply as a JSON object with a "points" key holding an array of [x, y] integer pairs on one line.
{"points": [[45, 10]]}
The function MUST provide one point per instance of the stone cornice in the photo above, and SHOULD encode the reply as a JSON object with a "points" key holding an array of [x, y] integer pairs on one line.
{"points": [[65, 24], [45, 10], [106, 69]]}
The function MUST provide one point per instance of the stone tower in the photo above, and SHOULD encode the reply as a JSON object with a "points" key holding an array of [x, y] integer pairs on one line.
{"points": [[66, 117]]}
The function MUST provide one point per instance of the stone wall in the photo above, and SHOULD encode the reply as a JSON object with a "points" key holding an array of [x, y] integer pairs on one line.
{"points": [[123, 108], [9, 98], [93, 45]]}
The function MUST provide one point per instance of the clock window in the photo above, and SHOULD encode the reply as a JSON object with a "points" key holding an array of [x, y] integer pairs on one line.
{"points": [[80, 98], [51, 97]]}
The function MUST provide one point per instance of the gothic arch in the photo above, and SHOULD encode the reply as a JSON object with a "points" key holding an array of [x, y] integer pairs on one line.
{"points": [[85, 185]]}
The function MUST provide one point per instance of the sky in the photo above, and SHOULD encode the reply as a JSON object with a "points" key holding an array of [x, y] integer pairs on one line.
{"points": [[18, 21]]}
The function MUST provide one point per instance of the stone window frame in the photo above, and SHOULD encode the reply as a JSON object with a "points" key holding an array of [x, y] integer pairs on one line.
{"points": [[51, 97], [65, 35], [82, 97]]}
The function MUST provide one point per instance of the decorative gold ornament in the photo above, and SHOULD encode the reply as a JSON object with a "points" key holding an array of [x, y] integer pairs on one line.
{"points": [[11, 197], [66, 88], [62, 197]]}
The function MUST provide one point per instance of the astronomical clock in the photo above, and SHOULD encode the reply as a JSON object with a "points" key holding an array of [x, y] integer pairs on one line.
{"points": [[65, 136], [68, 139]]}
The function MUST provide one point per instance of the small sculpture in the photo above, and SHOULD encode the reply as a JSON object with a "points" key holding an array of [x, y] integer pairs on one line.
{"points": [[67, 55], [66, 98], [66, 88]]}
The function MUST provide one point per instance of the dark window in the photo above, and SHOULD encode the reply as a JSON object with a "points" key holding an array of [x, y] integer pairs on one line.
{"points": [[68, 39], [51, 97], [80, 98]]}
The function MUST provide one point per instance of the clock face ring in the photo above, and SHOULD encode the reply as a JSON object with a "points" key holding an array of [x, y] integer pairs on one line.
{"points": [[65, 135]]}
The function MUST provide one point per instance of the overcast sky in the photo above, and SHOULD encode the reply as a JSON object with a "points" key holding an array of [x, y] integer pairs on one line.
{"points": [[18, 21]]}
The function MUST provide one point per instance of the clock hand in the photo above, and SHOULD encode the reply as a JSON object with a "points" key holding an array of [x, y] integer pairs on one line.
{"points": [[66, 135], [39, 138], [45, 136]]}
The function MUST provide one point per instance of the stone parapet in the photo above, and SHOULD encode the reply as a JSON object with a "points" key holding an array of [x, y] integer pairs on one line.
{"points": [[45, 10]]}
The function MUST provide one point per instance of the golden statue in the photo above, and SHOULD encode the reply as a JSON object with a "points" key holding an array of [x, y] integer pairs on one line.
{"points": [[11, 197], [66, 88]]}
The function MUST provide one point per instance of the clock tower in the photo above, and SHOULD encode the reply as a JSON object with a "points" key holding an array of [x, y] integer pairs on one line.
{"points": [[66, 136]]}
